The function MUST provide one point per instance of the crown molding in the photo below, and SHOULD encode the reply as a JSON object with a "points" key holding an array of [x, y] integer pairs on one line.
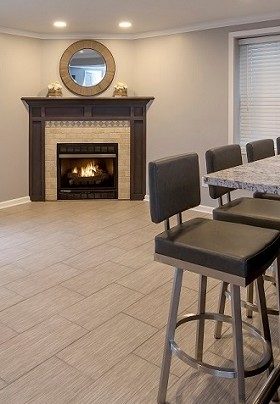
{"points": [[188, 28]]}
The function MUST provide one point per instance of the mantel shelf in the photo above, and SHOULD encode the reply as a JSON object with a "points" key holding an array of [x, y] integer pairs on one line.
{"points": [[86, 100]]}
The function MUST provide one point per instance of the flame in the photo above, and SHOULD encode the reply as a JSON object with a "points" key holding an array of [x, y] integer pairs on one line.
{"points": [[88, 171]]}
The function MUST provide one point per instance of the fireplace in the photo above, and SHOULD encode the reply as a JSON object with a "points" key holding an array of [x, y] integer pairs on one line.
{"points": [[87, 170], [117, 120]]}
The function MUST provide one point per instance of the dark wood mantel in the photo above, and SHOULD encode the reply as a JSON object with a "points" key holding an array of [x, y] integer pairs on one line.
{"points": [[42, 109]]}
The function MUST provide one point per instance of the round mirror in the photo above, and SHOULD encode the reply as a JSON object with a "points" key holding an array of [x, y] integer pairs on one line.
{"points": [[87, 68]]}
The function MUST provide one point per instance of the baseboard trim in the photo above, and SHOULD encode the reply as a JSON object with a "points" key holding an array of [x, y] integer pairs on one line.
{"points": [[200, 208], [14, 202]]}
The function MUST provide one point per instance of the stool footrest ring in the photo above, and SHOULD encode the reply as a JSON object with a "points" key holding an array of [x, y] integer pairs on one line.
{"points": [[224, 372]]}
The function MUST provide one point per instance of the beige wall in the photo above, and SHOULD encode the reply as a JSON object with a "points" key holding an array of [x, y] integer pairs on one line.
{"points": [[187, 74], [20, 66]]}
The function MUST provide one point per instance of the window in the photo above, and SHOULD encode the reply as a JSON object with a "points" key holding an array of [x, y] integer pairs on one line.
{"points": [[259, 88]]}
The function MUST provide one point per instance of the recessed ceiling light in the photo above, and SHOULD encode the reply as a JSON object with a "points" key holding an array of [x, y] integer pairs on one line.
{"points": [[125, 24], [60, 24]]}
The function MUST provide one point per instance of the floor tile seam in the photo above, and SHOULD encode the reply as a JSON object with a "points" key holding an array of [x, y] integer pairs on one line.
{"points": [[48, 317], [159, 366], [36, 366], [115, 282], [115, 364], [140, 245], [43, 269], [41, 362], [34, 325], [41, 291], [141, 321]]}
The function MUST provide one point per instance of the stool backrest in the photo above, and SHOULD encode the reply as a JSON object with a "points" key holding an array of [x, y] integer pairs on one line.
{"points": [[260, 149], [221, 158], [278, 145], [174, 185]]}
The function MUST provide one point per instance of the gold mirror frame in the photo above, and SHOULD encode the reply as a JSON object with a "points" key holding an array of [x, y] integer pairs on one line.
{"points": [[71, 84]]}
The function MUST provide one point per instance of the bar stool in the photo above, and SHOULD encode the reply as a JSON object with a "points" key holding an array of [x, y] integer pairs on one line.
{"points": [[258, 150], [196, 245], [259, 212], [278, 145]]}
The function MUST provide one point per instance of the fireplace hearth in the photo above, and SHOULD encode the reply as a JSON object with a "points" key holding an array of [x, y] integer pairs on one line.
{"points": [[87, 171]]}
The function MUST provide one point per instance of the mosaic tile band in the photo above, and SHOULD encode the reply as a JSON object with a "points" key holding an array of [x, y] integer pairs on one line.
{"points": [[87, 124]]}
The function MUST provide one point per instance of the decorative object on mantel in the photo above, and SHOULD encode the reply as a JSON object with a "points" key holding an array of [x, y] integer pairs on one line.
{"points": [[87, 68], [54, 89], [120, 90]]}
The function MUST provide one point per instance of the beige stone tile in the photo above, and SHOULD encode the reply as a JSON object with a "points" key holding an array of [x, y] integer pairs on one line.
{"points": [[153, 308], [148, 278], [8, 298], [11, 254], [38, 308], [6, 333], [97, 352], [135, 239], [133, 380], [101, 306], [93, 257], [88, 241], [137, 257], [42, 280], [38, 261], [97, 278], [51, 382], [27, 350], [11, 272]]}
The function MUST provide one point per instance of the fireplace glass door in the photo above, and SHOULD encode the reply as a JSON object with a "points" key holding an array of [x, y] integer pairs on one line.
{"points": [[87, 171]]}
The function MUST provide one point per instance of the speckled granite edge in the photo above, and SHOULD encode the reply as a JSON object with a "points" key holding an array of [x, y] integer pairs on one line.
{"points": [[262, 176]]}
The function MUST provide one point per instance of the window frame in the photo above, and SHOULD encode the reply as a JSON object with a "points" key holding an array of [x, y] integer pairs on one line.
{"points": [[233, 76]]}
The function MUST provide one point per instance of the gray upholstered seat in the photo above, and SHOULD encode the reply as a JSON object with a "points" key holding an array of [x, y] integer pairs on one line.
{"points": [[258, 150], [215, 244], [251, 211]]}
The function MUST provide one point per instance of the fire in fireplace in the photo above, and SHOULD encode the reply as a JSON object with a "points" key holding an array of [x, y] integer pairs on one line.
{"points": [[87, 170]]}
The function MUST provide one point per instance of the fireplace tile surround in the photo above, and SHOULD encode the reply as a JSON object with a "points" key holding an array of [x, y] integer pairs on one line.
{"points": [[87, 132], [87, 120]]}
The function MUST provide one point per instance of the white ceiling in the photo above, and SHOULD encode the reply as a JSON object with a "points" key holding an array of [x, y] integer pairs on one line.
{"points": [[101, 17]]}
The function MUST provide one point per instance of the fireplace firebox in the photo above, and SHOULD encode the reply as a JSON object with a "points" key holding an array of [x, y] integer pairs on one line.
{"points": [[87, 171]]}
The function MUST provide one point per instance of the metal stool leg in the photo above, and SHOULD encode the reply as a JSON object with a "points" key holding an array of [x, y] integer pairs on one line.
{"points": [[250, 299], [238, 343], [277, 278], [170, 332], [201, 322], [221, 310], [261, 301]]}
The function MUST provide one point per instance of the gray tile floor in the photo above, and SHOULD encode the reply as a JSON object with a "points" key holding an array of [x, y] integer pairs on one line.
{"points": [[83, 309]]}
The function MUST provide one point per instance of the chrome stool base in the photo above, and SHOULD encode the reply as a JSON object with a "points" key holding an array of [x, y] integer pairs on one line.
{"points": [[223, 372], [253, 307]]}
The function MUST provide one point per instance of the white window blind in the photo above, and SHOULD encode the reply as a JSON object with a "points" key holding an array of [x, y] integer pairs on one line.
{"points": [[259, 89]]}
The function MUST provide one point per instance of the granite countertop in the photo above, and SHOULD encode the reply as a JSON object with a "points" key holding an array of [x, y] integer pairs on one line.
{"points": [[262, 175]]}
